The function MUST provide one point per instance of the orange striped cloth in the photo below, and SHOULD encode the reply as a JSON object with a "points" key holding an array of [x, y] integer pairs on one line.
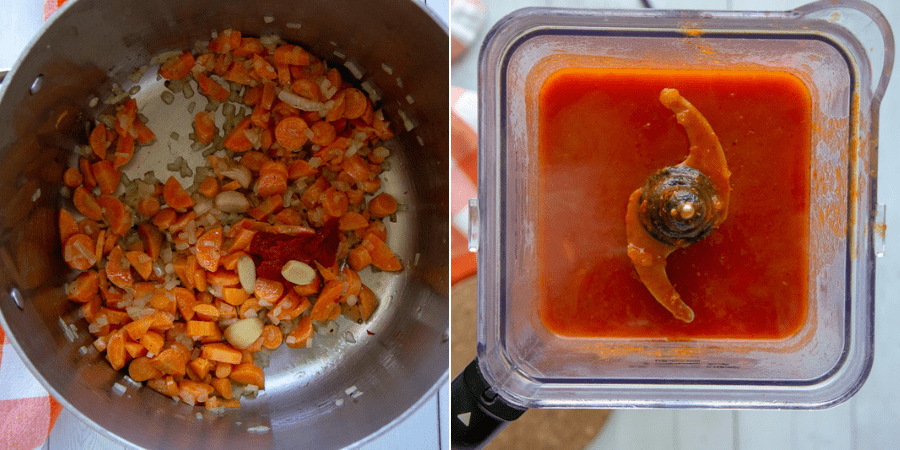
{"points": [[467, 20], [27, 412], [463, 178]]}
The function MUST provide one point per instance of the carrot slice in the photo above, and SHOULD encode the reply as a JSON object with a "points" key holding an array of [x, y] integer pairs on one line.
{"points": [[67, 225], [115, 349], [144, 134], [211, 88], [300, 335], [118, 270], [327, 301], [152, 341], [237, 140], [84, 287], [382, 256], [86, 204], [78, 252], [355, 103], [209, 247], [334, 202], [382, 205], [177, 67], [291, 54], [221, 352], [323, 133], [141, 262], [289, 132], [273, 176], [98, 141], [204, 127], [124, 150], [263, 68], [249, 374], [141, 370], [175, 195], [115, 213]]}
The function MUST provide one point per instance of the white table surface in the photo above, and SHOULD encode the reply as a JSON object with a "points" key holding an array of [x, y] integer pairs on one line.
{"points": [[869, 420], [424, 429]]}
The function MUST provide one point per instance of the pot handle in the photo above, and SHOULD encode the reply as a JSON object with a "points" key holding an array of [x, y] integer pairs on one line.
{"points": [[477, 413]]}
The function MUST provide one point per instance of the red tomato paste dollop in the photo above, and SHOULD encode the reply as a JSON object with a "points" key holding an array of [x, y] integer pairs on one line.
{"points": [[271, 251]]}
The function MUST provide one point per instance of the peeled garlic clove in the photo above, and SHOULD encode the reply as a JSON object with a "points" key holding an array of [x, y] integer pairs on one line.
{"points": [[246, 269], [244, 332], [298, 272], [232, 202]]}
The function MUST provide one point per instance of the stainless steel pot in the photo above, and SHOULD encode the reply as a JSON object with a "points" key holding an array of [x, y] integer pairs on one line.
{"points": [[44, 104]]}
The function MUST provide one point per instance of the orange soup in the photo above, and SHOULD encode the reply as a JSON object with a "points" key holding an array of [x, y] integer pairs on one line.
{"points": [[603, 133]]}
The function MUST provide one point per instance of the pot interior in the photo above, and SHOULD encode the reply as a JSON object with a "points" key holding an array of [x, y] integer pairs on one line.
{"points": [[398, 357]]}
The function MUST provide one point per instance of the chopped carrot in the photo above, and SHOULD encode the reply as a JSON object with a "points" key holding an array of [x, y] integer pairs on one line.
{"points": [[268, 95], [334, 202], [211, 88], [138, 328], [175, 196], [268, 206], [78, 252], [291, 54], [72, 178], [165, 386], [352, 221], [263, 68], [356, 103], [115, 350], [249, 374], [268, 290], [86, 204], [141, 263], [221, 352], [290, 132], [312, 288], [177, 67], [99, 142], [152, 239], [299, 336], [165, 218], [359, 258], [148, 206], [84, 287], [382, 205], [200, 328], [67, 225], [382, 256], [209, 187], [222, 385], [223, 369], [367, 302], [238, 73], [124, 150], [252, 96], [337, 110], [272, 337], [140, 369], [223, 278], [225, 41], [134, 349], [209, 246], [144, 134], [237, 140], [202, 366], [170, 361], [116, 215], [206, 311], [299, 169], [204, 127], [273, 177], [235, 296], [327, 300], [284, 73], [323, 133]]}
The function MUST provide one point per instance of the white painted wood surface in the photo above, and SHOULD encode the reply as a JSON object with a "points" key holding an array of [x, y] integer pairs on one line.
{"points": [[869, 420]]}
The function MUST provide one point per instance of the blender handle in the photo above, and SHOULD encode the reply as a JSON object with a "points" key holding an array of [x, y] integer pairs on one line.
{"points": [[477, 413]]}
